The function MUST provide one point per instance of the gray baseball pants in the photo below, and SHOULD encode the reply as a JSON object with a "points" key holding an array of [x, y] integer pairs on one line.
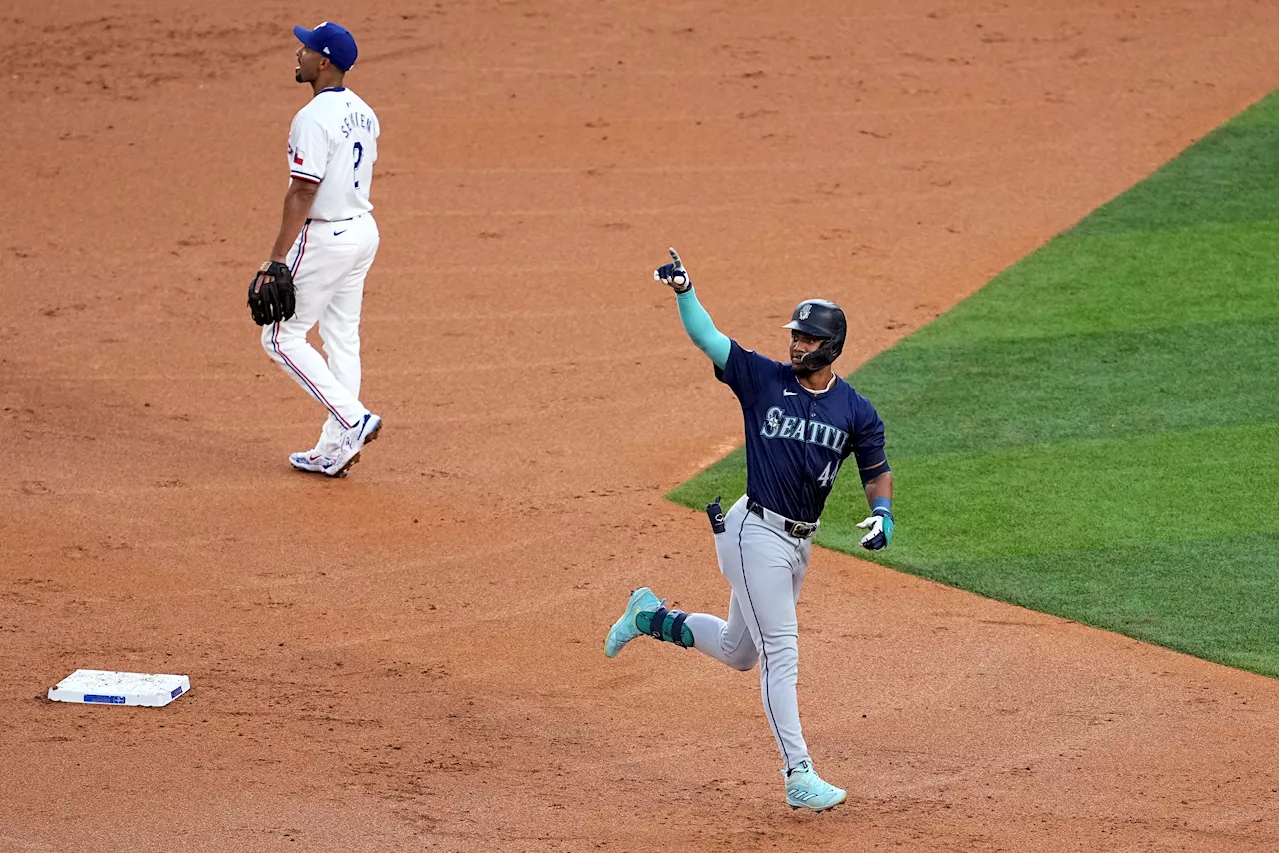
{"points": [[765, 568]]}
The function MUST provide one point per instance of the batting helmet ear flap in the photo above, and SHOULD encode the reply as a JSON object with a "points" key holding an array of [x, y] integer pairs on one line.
{"points": [[825, 354]]}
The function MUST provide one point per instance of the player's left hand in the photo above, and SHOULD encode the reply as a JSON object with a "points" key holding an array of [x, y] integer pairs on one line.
{"points": [[880, 526], [271, 294]]}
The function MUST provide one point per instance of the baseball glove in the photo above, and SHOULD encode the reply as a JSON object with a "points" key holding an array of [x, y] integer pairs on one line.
{"points": [[271, 294]]}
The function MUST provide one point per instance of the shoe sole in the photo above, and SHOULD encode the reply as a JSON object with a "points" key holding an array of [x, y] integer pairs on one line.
{"points": [[614, 627], [824, 808], [368, 439]]}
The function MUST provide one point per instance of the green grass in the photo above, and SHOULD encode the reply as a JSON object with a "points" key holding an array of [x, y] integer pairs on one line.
{"points": [[1094, 433], [1229, 176]]}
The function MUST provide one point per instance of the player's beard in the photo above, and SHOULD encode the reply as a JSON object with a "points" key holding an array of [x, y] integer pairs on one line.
{"points": [[803, 369]]}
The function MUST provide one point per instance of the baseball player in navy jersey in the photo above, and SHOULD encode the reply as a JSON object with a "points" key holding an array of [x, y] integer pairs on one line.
{"points": [[326, 244], [802, 422]]}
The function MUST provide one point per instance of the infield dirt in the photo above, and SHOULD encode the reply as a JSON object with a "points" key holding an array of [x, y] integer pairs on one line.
{"points": [[411, 659]]}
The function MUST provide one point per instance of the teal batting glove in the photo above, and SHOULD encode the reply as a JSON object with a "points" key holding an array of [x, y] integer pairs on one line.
{"points": [[880, 530]]}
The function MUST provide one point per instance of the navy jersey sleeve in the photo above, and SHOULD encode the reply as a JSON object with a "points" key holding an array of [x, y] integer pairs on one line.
{"points": [[867, 442], [747, 373]]}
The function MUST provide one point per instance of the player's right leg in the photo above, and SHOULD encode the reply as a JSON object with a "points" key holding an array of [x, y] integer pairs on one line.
{"points": [[646, 614], [728, 641], [627, 628], [340, 320], [340, 331]]}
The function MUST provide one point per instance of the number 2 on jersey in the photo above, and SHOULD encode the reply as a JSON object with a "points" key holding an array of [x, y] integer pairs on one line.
{"points": [[358, 151], [828, 475]]}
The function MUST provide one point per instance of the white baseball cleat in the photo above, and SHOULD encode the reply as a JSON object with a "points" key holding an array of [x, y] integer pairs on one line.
{"points": [[312, 461], [353, 441], [806, 789]]}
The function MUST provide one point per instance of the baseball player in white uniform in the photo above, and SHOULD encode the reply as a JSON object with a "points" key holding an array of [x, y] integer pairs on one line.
{"points": [[328, 240]]}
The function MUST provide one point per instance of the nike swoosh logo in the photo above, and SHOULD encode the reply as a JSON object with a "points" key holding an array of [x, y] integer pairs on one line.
{"points": [[791, 393], [343, 231]]}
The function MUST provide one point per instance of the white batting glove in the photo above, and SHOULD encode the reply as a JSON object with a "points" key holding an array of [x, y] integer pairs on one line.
{"points": [[880, 530], [673, 275]]}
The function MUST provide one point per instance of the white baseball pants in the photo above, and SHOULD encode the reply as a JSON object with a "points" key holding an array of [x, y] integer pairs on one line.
{"points": [[765, 568], [329, 261]]}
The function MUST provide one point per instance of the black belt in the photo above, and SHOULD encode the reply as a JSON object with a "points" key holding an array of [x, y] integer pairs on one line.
{"points": [[798, 529]]}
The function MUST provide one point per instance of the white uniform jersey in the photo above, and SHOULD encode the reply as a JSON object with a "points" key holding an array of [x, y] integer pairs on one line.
{"points": [[334, 142]]}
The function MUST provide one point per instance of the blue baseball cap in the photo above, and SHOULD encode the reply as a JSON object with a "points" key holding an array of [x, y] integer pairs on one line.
{"points": [[333, 41]]}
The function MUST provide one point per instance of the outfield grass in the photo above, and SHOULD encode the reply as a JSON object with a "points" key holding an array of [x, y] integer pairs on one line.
{"points": [[1094, 433]]}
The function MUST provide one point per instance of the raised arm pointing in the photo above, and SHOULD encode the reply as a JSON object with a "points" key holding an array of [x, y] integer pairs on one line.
{"points": [[697, 322]]}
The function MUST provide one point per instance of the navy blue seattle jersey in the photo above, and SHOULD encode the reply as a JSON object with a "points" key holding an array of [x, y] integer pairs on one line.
{"points": [[798, 439]]}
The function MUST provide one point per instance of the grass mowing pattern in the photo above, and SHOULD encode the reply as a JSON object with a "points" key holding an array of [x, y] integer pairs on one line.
{"points": [[1094, 433]]}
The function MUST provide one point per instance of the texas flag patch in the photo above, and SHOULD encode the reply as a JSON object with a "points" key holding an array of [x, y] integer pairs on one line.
{"points": [[297, 158]]}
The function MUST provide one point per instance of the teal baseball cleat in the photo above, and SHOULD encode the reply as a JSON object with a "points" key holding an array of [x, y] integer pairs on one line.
{"points": [[807, 790], [625, 630]]}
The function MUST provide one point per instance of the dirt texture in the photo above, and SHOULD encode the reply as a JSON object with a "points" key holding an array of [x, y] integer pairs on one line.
{"points": [[410, 659]]}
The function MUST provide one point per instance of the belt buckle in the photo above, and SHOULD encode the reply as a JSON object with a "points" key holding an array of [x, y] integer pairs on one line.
{"points": [[803, 529]]}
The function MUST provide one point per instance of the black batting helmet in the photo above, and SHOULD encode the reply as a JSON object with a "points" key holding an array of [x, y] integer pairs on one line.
{"points": [[820, 318]]}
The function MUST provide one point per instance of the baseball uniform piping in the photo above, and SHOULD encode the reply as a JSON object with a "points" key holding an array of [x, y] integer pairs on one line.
{"points": [[302, 249], [275, 345], [764, 655]]}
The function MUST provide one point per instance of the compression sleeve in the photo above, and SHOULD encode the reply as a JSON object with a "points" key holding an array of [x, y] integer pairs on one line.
{"points": [[703, 332]]}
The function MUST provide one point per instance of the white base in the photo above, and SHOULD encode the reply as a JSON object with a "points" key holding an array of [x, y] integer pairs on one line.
{"points": [[101, 686]]}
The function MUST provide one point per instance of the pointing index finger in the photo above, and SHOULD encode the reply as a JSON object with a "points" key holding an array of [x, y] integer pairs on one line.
{"points": [[675, 259]]}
